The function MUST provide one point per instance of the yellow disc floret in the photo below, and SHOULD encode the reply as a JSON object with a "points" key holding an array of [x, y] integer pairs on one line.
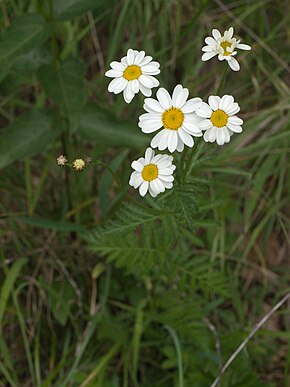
{"points": [[79, 164], [225, 45], [172, 118], [132, 72], [150, 172], [219, 118]]}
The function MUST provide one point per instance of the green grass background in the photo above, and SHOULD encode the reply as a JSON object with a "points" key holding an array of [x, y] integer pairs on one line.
{"points": [[80, 306]]}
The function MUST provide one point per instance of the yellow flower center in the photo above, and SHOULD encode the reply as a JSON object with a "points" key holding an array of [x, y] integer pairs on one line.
{"points": [[150, 172], [219, 118], [225, 45], [79, 164], [172, 118], [132, 72]]}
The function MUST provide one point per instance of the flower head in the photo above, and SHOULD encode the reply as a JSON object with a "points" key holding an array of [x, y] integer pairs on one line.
{"points": [[61, 160], [219, 119], [224, 46], [153, 173], [133, 74], [175, 115], [79, 165]]}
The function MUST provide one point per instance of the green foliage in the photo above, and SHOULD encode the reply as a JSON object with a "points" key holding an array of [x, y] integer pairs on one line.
{"points": [[26, 33], [69, 9], [100, 287], [100, 125], [64, 84], [27, 136]]}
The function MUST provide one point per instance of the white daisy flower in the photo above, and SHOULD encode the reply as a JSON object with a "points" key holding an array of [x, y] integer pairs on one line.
{"points": [[176, 115], [153, 173], [223, 46], [219, 119], [133, 74]]}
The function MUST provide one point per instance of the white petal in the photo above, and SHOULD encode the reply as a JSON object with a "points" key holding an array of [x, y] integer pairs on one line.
{"points": [[235, 120], [160, 185], [130, 56], [234, 109], [135, 86], [153, 105], [175, 94], [137, 166], [146, 60], [164, 98], [191, 105], [181, 98], [167, 178], [128, 92], [220, 136], [144, 188], [145, 81], [207, 49], [180, 145], [213, 102], [172, 141], [133, 177], [148, 69], [160, 140], [235, 128], [212, 134], [244, 47], [149, 154], [150, 127], [204, 111], [167, 184], [138, 181], [230, 33], [152, 193], [139, 57], [205, 124], [124, 61], [233, 63], [185, 137], [226, 102], [145, 90], [113, 73], [227, 135], [208, 55], [210, 41], [118, 66], [154, 186], [216, 34], [191, 128], [166, 171], [115, 84]]}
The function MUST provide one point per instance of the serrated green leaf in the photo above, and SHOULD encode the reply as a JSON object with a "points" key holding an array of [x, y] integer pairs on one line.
{"points": [[99, 125], [27, 136], [24, 34], [69, 9], [65, 85]]}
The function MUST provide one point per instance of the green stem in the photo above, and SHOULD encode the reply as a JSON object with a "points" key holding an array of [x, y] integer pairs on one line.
{"points": [[222, 80]]}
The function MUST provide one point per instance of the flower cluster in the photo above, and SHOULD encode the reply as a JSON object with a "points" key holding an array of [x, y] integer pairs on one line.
{"points": [[175, 118]]}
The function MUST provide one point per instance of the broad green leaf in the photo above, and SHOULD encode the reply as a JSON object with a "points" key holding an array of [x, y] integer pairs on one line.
{"points": [[33, 59], [27, 136], [24, 34], [68, 9], [99, 125], [65, 85]]}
